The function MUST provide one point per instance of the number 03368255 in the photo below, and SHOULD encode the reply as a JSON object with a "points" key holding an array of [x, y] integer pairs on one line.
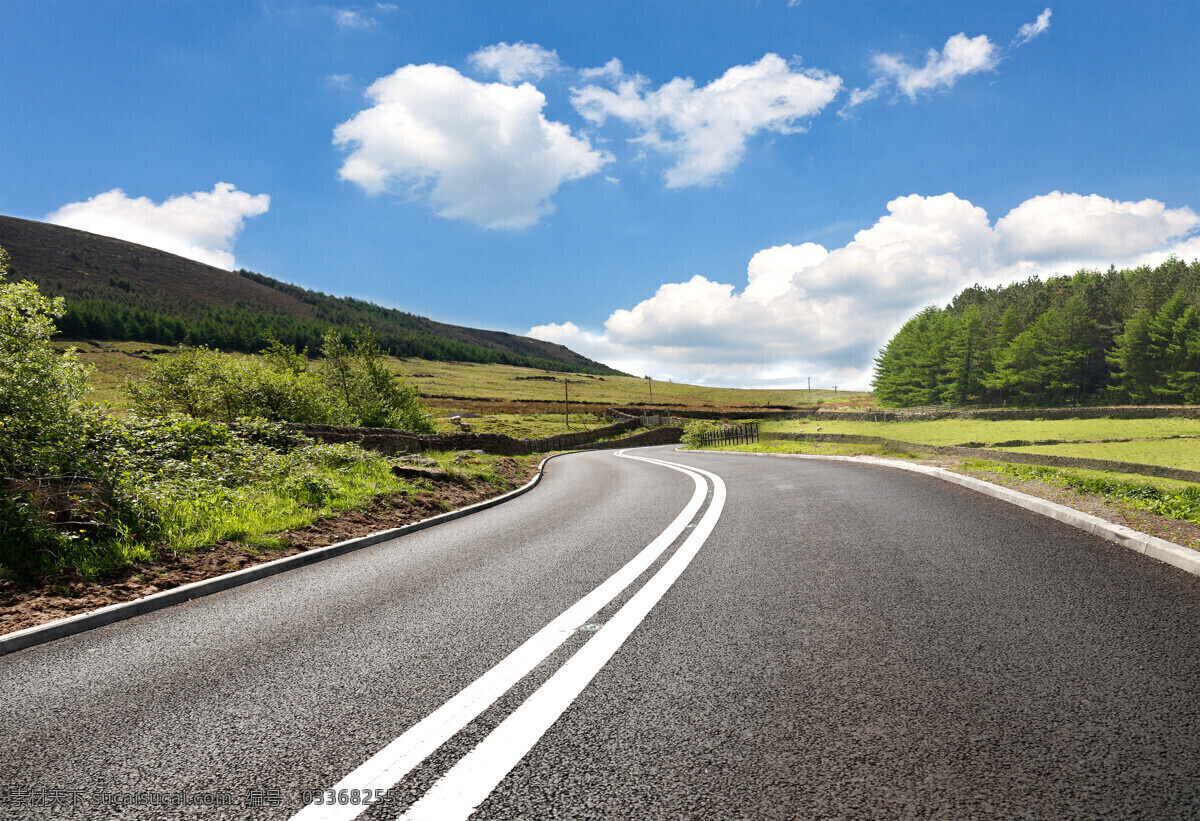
{"points": [[344, 797]]}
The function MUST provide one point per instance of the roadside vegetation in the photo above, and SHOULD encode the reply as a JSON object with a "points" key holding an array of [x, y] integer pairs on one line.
{"points": [[1162, 497], [200, 459]]}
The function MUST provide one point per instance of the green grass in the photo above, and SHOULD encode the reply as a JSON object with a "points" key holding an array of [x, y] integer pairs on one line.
{"points": [[1175, 453], [527, 425], [252, 513], [820, 448], [514, 384], [1162, 497], [960, 431], [114, 362]]}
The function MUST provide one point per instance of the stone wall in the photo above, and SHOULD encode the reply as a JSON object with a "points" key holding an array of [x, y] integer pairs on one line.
{"points": [[995, 414], [1043, 459], [734, 413], [391, 442]]}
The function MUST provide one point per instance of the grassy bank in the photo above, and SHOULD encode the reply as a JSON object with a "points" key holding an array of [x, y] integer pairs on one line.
{"points": [[1151, 441]]}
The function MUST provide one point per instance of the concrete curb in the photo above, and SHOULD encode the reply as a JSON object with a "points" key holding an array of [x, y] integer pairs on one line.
{"points": [[1176, 555], [30, 636]]}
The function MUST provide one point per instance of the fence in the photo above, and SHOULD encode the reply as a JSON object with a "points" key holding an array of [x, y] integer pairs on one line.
{"points": [[744, 434]]}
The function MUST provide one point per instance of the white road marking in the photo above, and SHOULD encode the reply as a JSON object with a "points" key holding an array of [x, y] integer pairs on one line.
{"points": [[470, 781], [384, 770]]}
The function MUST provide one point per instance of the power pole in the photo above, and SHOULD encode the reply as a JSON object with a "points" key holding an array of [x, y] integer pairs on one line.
{"points": [[566, 403], [810, 389], [650, 382]]}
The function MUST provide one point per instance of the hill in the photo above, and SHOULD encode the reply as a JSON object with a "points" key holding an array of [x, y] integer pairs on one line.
{"points": [[117, 290], [1093, 338]]}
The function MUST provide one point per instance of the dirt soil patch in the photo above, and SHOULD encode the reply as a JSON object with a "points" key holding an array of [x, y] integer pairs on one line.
{"points": [[68, 593]]}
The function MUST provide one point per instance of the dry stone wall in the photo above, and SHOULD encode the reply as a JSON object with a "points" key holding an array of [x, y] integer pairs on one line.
{"points": [[996, 414], [391, 442], [1043, 459]]}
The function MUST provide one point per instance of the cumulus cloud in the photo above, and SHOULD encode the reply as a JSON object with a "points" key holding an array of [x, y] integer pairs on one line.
{"points": [[1030, 30], [477, 151], [512, 64], [703, 130], [807, 311], [201, 226], [350, 20], [1091, 230]]}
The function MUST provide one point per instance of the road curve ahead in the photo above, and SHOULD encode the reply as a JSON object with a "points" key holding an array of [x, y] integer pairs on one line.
{"points": [[652, 634]]}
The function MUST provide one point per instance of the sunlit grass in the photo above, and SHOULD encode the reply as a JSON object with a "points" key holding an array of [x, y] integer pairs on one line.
{"points": [[960, 431]]}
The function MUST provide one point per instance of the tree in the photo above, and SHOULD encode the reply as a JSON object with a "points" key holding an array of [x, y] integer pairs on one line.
{"points": [[41, 387]]}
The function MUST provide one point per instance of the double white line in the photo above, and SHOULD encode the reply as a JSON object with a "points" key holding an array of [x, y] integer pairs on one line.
{"points": [[468, 783]]}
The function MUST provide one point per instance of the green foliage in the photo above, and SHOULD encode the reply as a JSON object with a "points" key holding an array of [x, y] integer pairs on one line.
{"points": [[209, 384], [1127, 336], [353, 387], [1183, 503], [41, 388], [695, 430], [372, 395], [177, 482]]}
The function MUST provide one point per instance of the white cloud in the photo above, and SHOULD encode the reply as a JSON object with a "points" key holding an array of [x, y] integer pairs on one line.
{"points": [[1089, 230], [960, 57], [704, 130], [201, 226], [350, 20], [339, 80], [477, 151], [805, 311], [512, 64], [1030, 30]]}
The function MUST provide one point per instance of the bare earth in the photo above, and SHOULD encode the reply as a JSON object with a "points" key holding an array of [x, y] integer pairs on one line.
{"points": [[69, 594]]}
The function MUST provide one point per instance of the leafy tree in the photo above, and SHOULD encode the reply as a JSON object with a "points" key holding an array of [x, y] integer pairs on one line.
{"points": [[41, 387]]}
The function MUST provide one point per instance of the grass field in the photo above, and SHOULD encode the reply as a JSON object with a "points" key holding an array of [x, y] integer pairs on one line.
{"points": [[1154, 441], [1175, 453], [982, 431], [526, 425], [461, 382]]}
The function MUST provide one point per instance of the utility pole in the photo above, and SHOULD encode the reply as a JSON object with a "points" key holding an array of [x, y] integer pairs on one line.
{"points": [[566, 403], [650, 382], [810, 389]]}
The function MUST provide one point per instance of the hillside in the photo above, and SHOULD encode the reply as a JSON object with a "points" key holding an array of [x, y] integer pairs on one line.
{"points": [[1121, 336], [117, 290]]}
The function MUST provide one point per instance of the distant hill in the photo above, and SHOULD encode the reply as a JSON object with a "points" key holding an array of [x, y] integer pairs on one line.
{"points": [[122, 291]]}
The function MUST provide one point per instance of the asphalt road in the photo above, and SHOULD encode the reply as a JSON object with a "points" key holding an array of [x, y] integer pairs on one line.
{"points": [[808, 639]]}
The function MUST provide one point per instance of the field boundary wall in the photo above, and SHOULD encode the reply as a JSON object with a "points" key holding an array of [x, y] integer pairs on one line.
{"points": [[1042, 459], [392, 442], [999, 414]]}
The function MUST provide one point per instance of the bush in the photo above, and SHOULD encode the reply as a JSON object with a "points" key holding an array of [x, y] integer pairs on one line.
{"points": [[39, 402], [694, 430], [353, 387], [371, 395], [209, 384]]}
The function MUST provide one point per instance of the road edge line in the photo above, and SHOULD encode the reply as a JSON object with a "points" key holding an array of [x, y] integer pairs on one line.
{"points": [[1176, 555], [112, 613]]}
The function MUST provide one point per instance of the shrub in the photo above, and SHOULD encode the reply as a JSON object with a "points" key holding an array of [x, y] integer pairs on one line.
{"points": [[353, 387], [694, 430]]}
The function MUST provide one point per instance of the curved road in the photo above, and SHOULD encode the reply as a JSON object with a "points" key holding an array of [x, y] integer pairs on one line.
{"points": [[718, 637]]}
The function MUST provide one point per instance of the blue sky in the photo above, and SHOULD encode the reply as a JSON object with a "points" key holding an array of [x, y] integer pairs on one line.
{"points": [[743, 194]]}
